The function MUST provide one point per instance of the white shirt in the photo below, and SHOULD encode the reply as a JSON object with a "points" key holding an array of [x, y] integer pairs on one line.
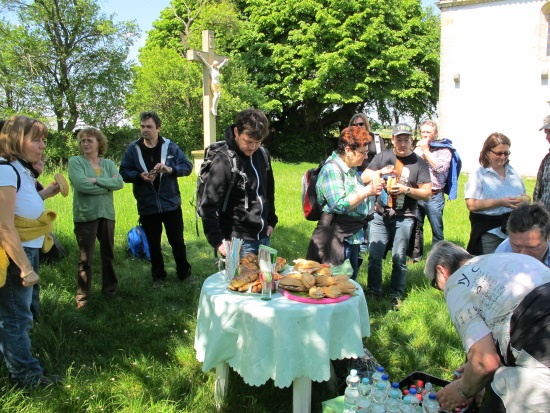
{"points": [[482, 295], [28, 203]]}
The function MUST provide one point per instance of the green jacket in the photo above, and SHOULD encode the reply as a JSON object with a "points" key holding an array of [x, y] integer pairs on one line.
{"points": [[93, 201]]}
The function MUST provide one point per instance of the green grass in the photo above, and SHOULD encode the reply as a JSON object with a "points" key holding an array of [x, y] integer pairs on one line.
{"points": [[135, 353]]}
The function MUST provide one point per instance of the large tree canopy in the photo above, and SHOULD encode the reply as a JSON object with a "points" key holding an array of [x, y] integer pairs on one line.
{"points": [[320, 61], [72, 58], [311, 64]]}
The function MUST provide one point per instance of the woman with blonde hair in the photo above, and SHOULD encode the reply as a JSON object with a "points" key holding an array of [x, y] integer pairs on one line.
{"points": [[22, 141], [94, 179]]}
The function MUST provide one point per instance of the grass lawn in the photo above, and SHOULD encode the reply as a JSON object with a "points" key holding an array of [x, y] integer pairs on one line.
{"points": [[135, 353]]}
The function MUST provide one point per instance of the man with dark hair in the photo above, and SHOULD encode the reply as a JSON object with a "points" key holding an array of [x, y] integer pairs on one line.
{"points": [[395, 209], [152, 164], [498, 304], [249, 213], [528, 230]]}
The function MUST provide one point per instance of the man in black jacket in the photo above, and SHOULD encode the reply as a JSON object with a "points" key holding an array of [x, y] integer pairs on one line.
{"points": [[250, 211]]}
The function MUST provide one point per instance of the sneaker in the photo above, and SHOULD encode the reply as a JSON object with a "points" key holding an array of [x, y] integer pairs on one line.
{"points": [[189, 280], [158, 283], [43, 382]]}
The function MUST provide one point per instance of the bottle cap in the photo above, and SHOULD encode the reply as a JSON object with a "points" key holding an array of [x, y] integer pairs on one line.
{"points": [[365, 380], [385, 377], [412, 391], [353, 372], [420, 383], [395, 385], [431, 396], [380, 369]]}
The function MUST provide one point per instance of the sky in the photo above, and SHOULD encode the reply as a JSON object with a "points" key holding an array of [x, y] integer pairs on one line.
{"points": [[145, 12]]}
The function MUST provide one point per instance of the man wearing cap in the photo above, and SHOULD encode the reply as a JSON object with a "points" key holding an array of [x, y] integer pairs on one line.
{"points": [[542, 188], [395, 209]]}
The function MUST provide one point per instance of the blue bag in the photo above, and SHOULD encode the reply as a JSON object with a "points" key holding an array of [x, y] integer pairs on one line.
{"points": [[137, 243]]}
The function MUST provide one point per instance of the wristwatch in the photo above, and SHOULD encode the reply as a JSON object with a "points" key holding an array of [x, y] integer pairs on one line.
{"points": [[408, 190]]}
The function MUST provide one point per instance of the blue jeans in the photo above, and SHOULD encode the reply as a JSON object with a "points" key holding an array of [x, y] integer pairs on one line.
{"points": [[16, 322], [253, 246], [382, 231], [434, 210], [351, 252]]}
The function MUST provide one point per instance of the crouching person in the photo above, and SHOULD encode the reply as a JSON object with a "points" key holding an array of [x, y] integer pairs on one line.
{"points": [[499, 306]]}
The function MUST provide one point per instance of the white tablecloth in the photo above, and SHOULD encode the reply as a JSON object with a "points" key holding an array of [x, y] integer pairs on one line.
{"points": [[278, 339]]}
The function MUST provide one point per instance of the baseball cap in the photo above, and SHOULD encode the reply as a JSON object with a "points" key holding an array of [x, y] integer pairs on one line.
{"points": [[545, 123], [406, 129]]}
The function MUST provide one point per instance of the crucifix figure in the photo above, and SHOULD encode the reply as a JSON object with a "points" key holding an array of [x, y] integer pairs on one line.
{"points": [[210, 71]]}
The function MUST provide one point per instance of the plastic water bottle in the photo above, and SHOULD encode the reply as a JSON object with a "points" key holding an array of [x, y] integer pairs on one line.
{"points": [[387, 384], [377, 376], [430, 404], [428, 388], [395, 386], [406, 405], [394, 403], [364, 396], [378, 402], [351, 395], [415, 403]]}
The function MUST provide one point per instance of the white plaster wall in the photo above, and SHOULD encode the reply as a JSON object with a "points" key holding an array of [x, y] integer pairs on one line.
{"points": [[498, 50]]}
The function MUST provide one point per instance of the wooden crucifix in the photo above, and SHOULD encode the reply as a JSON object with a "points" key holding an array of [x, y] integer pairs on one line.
{"points": [[211, 87]]}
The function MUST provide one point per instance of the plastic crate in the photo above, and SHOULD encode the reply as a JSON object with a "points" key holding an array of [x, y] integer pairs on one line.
{"points": [[425, 377], [436, 381]]}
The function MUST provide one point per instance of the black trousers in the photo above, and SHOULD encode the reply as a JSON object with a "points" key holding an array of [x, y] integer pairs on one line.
{"points": [[173, 225]]}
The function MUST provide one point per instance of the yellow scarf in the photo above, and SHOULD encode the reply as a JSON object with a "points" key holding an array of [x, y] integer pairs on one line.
{"points": [[28, 230]]}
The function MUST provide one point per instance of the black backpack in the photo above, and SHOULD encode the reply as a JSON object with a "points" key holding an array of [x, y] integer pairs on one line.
{"points": [[209, 154], [310, 203]]}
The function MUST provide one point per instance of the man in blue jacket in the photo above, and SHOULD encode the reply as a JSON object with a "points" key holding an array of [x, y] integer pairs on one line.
{"points": [[153, 164]]}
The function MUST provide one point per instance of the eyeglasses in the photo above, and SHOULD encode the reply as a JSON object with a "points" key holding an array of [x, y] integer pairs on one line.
{"points": [[84, 141], [434, 282], [359, 124], [505, 153], [362, 153]]}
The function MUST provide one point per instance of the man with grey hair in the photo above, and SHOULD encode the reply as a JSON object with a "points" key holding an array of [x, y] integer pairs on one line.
{"points": [[528, 230], [498, 304], [444, 164], [542, 187]]}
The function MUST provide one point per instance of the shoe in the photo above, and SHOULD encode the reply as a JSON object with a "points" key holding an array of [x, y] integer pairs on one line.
{"points": [[158, 283], [189, 280], [43, 382], [373, 294], [395, 303]]}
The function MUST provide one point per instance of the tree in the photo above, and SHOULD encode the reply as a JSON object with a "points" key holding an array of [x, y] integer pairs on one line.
{"points": [[320, 61], [74, 56], [169, 84]]}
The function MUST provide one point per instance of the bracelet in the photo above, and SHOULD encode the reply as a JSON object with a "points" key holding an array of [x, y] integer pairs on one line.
{"points": [[27, 274], [460, 392]]}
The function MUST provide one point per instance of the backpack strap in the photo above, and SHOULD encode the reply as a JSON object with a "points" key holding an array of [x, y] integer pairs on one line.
{"points": [[235, 171], [16, 173]]}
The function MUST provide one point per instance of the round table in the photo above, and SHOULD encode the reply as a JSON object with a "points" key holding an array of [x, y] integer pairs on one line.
{"points": [[280, 339]]}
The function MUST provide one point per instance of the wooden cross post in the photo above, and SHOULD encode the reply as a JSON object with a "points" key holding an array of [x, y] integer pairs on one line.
{"points": [[208, 119]]}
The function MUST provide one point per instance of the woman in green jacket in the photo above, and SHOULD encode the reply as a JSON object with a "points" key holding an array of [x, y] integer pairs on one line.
{"points": [[94, 179]]}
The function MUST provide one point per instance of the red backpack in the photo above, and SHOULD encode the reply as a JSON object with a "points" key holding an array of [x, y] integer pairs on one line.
{"points": [[310, 204]]}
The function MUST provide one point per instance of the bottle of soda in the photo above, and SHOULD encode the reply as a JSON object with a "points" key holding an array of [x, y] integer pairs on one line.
{"points": [[351, 395], [364, 395]]}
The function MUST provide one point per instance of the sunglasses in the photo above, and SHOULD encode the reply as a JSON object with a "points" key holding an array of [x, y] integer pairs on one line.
{"points": [[359, 124], [505, 153]]}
